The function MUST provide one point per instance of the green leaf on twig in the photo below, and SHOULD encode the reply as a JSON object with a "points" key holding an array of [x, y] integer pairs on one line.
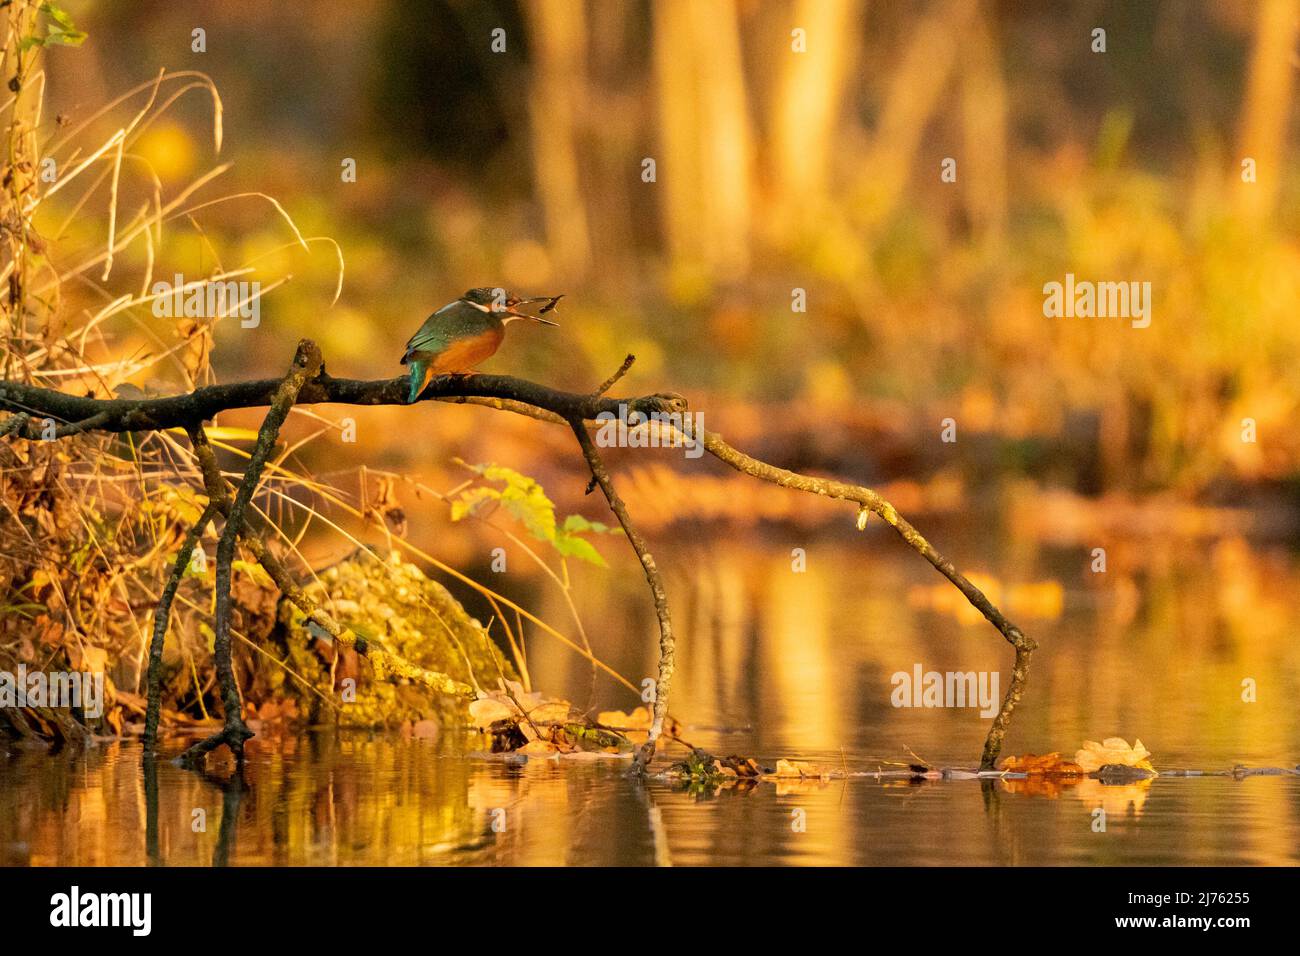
{"points": [[525, 501], [59, 29]]}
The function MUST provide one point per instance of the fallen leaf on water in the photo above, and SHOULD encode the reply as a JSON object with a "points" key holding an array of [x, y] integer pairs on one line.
{"points": [[798, 768], [1044, 765], [735, 766], [512, 703], [1113, 750], [486, 711]]}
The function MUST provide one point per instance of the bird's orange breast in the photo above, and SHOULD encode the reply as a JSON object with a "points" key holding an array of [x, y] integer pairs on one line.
{"points": [[465, 353]]}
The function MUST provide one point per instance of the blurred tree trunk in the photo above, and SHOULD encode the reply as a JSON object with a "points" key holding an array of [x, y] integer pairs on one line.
{"points": [[703, 163], [1267, 107], [613, 137], [557, 94], [911, 101], [983, 162], [808, 106], [677, 167]]}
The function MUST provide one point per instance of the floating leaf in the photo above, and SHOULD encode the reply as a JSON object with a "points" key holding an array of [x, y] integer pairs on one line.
{"points": [[1045, 765], [737, 767], [486, 711], [1113, 750], [516, 717], [799, 768]]}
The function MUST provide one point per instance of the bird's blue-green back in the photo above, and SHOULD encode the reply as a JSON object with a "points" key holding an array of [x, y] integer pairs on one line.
{"points": [[456, 321]]}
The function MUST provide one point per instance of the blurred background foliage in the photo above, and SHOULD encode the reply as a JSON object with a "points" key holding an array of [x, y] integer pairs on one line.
{"points": [[775, 170]]}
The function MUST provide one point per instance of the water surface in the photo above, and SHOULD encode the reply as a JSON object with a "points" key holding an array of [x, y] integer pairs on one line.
{"points": [[777, 663]]}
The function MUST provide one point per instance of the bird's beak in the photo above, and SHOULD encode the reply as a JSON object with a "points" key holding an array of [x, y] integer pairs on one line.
{"points": [[551, 302]]}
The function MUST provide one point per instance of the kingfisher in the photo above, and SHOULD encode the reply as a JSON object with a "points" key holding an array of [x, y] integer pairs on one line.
{"points": [[466, 332]]}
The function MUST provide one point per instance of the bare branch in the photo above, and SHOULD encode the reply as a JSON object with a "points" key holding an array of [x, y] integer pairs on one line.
{"points": [[873, 502], [610, 382], [306, 362], [84, 413], [161, 618], [667, 646]]}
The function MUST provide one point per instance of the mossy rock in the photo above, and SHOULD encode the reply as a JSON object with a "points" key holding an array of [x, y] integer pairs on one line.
{"points": [[395, 605]]}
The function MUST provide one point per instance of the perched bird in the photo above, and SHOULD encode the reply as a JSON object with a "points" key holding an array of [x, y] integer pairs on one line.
{"points": [[464, 333]]}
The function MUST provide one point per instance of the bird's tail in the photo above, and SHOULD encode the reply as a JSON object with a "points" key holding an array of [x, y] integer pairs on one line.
{"points": [[420, 375]]}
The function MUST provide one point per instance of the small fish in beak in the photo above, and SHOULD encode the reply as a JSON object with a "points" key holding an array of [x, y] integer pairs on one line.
{"points": [[512, 306]]}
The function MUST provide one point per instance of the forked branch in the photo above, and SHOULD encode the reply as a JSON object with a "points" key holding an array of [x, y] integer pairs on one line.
{"points": [[306, 363]]}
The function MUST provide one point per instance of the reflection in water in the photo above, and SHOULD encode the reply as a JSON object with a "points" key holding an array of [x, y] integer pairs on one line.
{"points": [[775, 664], [1157, 647], [351, 800]]}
